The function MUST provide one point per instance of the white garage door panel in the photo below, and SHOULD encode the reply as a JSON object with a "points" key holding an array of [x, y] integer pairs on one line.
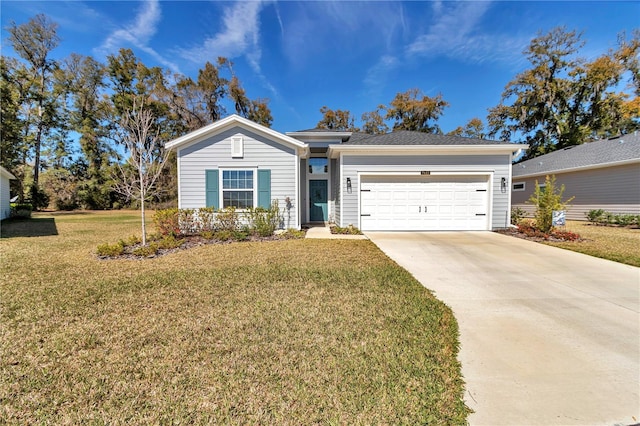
{"points": [[426, 203]]}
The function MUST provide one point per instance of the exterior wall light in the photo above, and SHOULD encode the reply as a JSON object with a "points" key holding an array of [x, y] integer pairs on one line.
{"points": [[349, 185], [503, 184]]}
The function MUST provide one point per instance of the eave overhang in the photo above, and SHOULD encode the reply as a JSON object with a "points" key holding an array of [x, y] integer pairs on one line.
{"points": [[374, 150]]}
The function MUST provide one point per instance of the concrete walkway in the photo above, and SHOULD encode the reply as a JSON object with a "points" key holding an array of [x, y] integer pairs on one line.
{"points": [[324, 232], [548, 336]]}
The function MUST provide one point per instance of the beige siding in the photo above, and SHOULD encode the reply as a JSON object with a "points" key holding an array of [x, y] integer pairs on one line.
{"points": [[499, 165], [614, 189], [259, 152]]}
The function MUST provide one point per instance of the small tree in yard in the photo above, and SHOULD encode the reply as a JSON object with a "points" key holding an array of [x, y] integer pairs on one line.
{"points": [[547, 199], [147, 158]]}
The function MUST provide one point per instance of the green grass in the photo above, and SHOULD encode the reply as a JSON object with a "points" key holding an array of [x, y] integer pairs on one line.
{"points": [[613, 243], [283, 332]]}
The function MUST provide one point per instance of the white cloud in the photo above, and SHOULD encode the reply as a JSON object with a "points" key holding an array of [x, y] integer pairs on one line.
{"points": [[139, 33], [456, 33], [238, 37], [376, 76]]}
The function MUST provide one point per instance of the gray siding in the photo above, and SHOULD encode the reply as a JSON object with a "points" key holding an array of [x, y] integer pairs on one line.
{"points": [[5, 197], [614, 189], [259, 152], [498, 164]]}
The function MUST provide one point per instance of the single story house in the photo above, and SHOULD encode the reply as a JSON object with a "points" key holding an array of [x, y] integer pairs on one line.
{"points": [[604, 174], [396, 181], [5, 196]]}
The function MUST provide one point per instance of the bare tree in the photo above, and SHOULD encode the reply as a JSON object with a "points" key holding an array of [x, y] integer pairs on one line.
{"points": [[147, 158]]}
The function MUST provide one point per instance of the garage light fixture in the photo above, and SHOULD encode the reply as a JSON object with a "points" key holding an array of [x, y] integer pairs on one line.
{"points": [[503, 184], [349, 185]]}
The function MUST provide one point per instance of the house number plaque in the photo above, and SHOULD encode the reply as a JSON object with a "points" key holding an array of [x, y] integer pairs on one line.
{"points": [[425, 172]]}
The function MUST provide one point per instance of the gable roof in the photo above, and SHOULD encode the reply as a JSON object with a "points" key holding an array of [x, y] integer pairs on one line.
{"points": [[235, 121], [603, 153]]}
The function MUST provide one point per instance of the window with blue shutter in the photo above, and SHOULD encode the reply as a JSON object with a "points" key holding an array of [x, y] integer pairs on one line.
{"points": [[264, 188], [212, 188]]}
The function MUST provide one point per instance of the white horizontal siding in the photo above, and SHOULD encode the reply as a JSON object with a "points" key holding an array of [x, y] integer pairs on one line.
{"points": [[5, 197], [498, 165], [615, 189], [259, 152]]}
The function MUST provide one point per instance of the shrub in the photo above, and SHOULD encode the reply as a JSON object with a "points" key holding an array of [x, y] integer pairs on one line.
{"points": [[547, 200], [206, 218], [595, 216], [169, 242], [517, 214], [167, 222], [110, 250], [207, 235], [565, 235], [146, 251], [264, 222], [227, 220], [240, 235], [187, 220], [223, 235], [293, 234], [133, 240], [624, 219], [349, 230], [21, 210]]}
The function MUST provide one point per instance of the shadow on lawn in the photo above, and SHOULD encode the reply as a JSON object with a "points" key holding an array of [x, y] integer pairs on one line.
{"points": [[28, 228]]}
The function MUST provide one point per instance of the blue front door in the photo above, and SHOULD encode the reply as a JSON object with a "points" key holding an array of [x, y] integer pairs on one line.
{"points": [[318, 195]]}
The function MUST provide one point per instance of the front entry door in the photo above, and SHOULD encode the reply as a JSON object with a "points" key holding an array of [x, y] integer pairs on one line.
{"points": [[318, 195]]}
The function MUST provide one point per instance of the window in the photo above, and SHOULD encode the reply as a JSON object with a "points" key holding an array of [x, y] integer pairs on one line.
{"points": [[318, 165], [237, 189], [518, 186]]}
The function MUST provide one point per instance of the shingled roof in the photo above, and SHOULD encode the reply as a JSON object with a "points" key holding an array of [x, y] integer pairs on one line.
{"points": [[405, 137], [615, 150]]}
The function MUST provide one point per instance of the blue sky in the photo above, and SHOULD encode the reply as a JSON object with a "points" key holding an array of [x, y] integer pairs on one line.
{"points": [[346, 55]]}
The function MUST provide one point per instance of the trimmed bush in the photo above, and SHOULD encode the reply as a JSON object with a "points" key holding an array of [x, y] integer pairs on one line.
{"points": [[110, 250], [146, 251], [169, 242], [227, 220]]}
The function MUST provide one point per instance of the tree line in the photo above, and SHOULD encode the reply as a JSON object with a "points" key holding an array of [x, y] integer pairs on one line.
{"points": [[560, 100], [48, 103]]}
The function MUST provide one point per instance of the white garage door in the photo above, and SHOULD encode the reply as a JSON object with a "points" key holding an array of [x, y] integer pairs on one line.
{"points": [[424, 203]]}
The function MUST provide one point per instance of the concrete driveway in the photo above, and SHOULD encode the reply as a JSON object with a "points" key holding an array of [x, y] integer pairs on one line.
{"points": [[548, 336]]}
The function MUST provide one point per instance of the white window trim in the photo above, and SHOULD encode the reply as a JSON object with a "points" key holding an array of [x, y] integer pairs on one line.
{"points": [[237, 147], [514, 189], [221, 185]]}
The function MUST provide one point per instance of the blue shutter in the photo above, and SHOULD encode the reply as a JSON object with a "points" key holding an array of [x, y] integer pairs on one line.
{"points": [[264, 188], [212, 188]]}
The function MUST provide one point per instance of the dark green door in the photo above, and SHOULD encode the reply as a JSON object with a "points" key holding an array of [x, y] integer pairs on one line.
{"points": [[318, 201]]}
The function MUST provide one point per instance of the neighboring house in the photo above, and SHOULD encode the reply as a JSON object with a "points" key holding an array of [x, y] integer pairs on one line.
{"points": [[397, 181], [5, 196], [603, 174]]}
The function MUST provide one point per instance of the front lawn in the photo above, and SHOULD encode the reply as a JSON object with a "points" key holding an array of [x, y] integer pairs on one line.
{"points": [[281, 332], [613, 243]]}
